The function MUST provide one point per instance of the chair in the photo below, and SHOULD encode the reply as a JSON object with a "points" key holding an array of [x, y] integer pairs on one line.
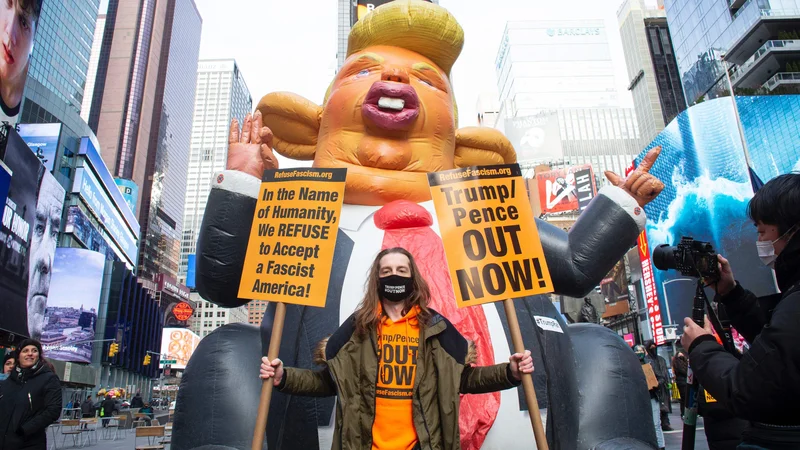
{"points": [[151, 433], [72, 428], [140, 419], [115, 424], [90, 428]]}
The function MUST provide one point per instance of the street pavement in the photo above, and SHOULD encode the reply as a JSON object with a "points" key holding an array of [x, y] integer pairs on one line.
{"points": [[125, 439], [673, 438]]}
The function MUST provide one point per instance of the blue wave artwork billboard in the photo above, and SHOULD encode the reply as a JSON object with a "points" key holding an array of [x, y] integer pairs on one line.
{"points": [[708, 186]]}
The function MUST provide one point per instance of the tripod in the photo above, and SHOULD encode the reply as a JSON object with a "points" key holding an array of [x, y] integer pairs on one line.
{"points": [[723, 330]]}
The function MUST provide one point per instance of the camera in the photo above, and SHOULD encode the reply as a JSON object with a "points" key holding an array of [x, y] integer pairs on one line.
{"points": [[690, 257]]}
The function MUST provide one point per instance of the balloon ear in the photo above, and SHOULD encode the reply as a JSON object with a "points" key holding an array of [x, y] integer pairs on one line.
{"points": [[294, 122], [478, 146]]}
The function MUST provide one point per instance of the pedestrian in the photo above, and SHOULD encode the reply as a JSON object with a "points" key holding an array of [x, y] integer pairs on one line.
{"points": [[652, 387], [107, 408], [662, 375], [30, 400], [421, 361], [680, 367], [764, 385], [137, 402], [8, 365]]}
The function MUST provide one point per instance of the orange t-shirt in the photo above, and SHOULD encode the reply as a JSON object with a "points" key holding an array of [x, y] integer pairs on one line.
{"points": [[398, 343]]}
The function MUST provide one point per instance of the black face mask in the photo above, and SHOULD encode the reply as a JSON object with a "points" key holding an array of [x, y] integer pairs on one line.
{"points": [[396, 288]]}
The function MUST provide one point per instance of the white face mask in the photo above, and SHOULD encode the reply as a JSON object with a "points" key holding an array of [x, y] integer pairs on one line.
{"points": [[766, 249]]}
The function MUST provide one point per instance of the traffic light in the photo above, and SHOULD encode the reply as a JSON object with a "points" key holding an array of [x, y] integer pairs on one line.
{"points": [[113, 349], [146, 360]]}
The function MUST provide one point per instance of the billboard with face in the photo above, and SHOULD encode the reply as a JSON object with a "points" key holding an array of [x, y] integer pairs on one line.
{"points": [[18, 24], [536, 137], [72, 305], [30, 227]]}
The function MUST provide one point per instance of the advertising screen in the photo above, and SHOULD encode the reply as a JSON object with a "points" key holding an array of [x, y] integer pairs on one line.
{"points": [[535, 138], [71, 315], [174, 301], [130, 192], [42, 138], [30, 226], [91, 190], [191, 271], [85, 232], [567, 189], [178, 344]]}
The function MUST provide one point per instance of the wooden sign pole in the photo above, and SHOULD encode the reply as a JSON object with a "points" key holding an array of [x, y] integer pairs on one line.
{"points": [[266, 386], [527, 379]]}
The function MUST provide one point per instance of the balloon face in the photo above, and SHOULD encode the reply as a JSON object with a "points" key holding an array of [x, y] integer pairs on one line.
{"points": [[389, 119]]}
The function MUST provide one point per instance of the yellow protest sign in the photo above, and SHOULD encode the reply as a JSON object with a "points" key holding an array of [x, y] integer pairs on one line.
{"points": [[290, 251], [489, 234]]}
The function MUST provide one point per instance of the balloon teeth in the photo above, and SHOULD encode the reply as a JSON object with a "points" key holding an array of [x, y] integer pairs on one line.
{"points": [[396, 104]]}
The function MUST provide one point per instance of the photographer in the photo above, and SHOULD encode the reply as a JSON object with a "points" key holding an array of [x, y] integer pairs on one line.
{"points": [[764, 386]]}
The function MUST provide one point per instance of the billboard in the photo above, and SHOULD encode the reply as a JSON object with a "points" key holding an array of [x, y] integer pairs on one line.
{"points": [[191, 271], [536, 137], [175, 303], [71, 315], [569, 189], [614, 286], [5, 183], [708, 186], [42, 138], [654, 316], [364, 7], [86, 233], [129, 190], [30, 226], [92, 192], [178, 344]]}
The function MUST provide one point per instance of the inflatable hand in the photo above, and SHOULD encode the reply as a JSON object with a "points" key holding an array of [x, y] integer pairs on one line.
{"points": [[641, 185], [251, 150]]}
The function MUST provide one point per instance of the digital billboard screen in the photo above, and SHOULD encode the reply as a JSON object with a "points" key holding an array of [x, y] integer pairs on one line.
{"points": [[42, 138], [30, 226], [535, 137], [568, 189], [178, 344], [75, 289]]}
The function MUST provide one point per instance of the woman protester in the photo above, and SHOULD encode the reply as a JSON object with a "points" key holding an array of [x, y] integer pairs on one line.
{"points": [[397, 367], [680, 367], [30, 400]]}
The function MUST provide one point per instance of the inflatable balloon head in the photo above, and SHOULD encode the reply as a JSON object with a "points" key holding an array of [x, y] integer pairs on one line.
{"points": [[389, 115]]}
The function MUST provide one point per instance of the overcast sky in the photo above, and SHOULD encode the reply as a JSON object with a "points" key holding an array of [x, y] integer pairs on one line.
{"points": [[291, 45]]}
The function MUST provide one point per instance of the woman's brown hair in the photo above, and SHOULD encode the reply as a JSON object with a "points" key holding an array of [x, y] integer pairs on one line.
{"points": [[367, 315]]}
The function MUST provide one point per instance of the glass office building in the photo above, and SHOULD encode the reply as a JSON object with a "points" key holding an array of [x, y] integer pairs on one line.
{"points": [[221, 95], [756, 37]]}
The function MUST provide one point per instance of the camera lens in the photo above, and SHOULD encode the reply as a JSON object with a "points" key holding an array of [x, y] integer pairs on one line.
{"points": [[664, 257]]}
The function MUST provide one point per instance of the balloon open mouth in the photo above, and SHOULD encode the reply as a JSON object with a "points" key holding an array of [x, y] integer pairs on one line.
{"points": [[391, 106]]}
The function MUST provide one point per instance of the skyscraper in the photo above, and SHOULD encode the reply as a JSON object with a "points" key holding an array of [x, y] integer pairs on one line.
{"points": [[347, 17], [652, 70], [221, 96], [555, 64], [144, 90], [208, 316], [91, 73], [757, 37]]}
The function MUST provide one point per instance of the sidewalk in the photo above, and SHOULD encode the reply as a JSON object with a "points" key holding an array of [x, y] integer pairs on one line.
{"points": [[674, 438]]}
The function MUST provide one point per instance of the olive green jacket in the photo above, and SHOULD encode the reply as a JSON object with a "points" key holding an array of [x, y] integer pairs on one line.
{"points": [[443, 372]]}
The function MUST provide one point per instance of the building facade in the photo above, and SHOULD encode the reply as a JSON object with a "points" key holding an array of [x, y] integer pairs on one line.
{"points": [[91, 73], [347, 16], [208, 316], [146, 77], [255, 311], [221, 96], [757, 38], [652, 69]]}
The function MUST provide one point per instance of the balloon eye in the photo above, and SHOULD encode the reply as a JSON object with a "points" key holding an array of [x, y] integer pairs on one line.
{"points": [[363, 73], [426, 82]]}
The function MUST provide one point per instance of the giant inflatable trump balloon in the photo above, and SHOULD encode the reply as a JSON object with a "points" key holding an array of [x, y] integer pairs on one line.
{"points": [[389, 117]]}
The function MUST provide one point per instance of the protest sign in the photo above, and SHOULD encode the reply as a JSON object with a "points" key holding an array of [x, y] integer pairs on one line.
{"points": [[489, 234], [290, 252]]}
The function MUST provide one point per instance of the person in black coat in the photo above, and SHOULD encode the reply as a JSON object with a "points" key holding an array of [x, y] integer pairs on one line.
{"points": [[662, 375], [764, 385], [137, 402], [30, 401], [680, 367], [107, 408]]}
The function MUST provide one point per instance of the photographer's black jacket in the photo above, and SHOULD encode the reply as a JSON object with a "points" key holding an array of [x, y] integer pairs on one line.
{"points": [[764, 386]]}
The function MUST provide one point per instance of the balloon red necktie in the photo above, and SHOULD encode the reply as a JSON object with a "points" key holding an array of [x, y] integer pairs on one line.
{"points": [[408, 225]]}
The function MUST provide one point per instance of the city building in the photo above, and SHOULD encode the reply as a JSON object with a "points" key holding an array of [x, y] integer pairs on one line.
{"points": [[653, 75], [756, 40], [488, 109], [221, 96], [145, 85], [91, 73], [208, 316], [347, 17], [255, 311]]}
